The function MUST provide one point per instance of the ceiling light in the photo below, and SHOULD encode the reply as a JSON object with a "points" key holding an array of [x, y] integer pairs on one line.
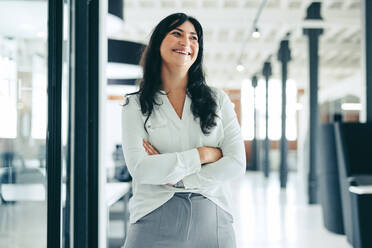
{"points": [[240, 67], [256, 33]]}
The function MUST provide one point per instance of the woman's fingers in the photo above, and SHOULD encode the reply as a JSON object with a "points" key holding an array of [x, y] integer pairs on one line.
{"points": [[153, 150], [149, 148], [217, 153], [146, 146]]}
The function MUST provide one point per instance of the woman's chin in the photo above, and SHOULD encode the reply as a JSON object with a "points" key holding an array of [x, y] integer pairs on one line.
{"points": [[182, 63]]}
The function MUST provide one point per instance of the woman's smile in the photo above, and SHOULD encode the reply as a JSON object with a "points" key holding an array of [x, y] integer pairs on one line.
{"points": [[181, 51]]}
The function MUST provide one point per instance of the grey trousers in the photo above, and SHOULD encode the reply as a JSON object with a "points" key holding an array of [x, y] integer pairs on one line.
{"points": [[186, 220]]}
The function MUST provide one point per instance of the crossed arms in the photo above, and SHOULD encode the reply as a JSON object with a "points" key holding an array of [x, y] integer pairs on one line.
{"points": [[198, 168]]}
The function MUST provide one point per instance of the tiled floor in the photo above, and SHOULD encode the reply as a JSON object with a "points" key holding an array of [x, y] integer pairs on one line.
{"points": [[268, 217]]}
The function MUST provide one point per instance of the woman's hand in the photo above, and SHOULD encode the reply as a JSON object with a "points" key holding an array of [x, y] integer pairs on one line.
{"points": [[209, 154], [151, 150]]}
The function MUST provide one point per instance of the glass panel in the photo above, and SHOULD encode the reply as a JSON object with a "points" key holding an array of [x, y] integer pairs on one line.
{"points": [[23, 111]]}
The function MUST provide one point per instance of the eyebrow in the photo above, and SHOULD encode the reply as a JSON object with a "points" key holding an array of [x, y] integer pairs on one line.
{"points": [[184, 31]]}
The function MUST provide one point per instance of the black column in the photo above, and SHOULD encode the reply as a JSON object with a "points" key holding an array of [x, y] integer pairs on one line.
{"points": [[313, 13], [284, 56], [266, 72], [254, 160], [85, 97], [53, 139], [366, 11]]}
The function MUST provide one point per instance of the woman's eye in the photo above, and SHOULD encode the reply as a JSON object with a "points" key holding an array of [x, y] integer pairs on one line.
{"points": [[176, 33], [194, 38]]}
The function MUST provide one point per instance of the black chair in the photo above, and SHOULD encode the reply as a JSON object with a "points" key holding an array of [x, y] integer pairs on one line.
{"points": [[354, 154], [329, 185]]}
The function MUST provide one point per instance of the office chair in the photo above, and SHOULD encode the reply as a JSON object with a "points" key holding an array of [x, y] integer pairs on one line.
{"points": [[354, 154], [329, 183]]}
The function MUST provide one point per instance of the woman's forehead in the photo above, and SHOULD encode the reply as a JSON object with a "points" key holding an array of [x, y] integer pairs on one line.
{"points": [[187, 27]]}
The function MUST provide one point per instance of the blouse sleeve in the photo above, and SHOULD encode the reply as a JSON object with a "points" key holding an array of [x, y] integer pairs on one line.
{"points": [[233, 162], [155, 169]]}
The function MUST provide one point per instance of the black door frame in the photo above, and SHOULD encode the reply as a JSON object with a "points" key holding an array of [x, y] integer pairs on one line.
{"points": [[53, 140], [84, 89]]}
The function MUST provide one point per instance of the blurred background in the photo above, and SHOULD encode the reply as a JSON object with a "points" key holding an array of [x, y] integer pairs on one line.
{"points": [[253, 49]]}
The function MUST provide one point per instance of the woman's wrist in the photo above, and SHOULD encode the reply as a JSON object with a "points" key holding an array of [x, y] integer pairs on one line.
{"points": [[209, 154], [202, 154]]}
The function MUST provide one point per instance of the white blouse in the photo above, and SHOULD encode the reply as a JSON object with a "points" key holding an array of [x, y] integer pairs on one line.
{"points": [[176, 140]]}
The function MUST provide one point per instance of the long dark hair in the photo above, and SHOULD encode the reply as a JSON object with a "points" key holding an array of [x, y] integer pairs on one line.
{"points": [[203, 99]]}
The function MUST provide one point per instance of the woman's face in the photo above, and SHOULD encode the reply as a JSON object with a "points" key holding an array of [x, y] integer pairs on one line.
{"points": [[180, 46]]}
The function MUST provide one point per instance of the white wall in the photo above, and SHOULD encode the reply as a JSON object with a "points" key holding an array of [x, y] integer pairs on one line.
{"points": [[350, 86]]}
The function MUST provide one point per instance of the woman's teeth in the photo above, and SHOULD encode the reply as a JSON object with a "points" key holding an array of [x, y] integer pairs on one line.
{"points": [[182, 52]]}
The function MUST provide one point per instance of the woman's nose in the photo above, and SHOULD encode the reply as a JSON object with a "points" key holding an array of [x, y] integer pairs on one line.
{"points": [[184, 41]]}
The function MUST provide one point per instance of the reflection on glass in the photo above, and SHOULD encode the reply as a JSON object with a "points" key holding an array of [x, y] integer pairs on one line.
{"points": [[65, 125], [23, 111]]}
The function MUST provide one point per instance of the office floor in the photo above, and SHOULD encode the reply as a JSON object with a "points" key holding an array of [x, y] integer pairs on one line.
{"points": [[268, 217], [23, 225]]}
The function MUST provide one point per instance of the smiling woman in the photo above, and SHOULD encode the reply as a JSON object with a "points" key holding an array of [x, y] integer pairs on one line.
{"points": [[182, 144]]}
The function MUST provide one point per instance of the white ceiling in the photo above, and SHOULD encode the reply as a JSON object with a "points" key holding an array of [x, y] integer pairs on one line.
{"points": [[227, 24]]}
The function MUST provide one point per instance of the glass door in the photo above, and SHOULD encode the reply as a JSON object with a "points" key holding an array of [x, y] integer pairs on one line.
{"points": [[49, 87]]}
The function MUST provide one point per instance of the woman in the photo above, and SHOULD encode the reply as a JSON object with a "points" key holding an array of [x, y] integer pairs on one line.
{"points": [[182, 144]]}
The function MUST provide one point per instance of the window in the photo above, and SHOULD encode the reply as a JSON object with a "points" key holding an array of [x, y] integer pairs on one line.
{"points": [[275, 101]]}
